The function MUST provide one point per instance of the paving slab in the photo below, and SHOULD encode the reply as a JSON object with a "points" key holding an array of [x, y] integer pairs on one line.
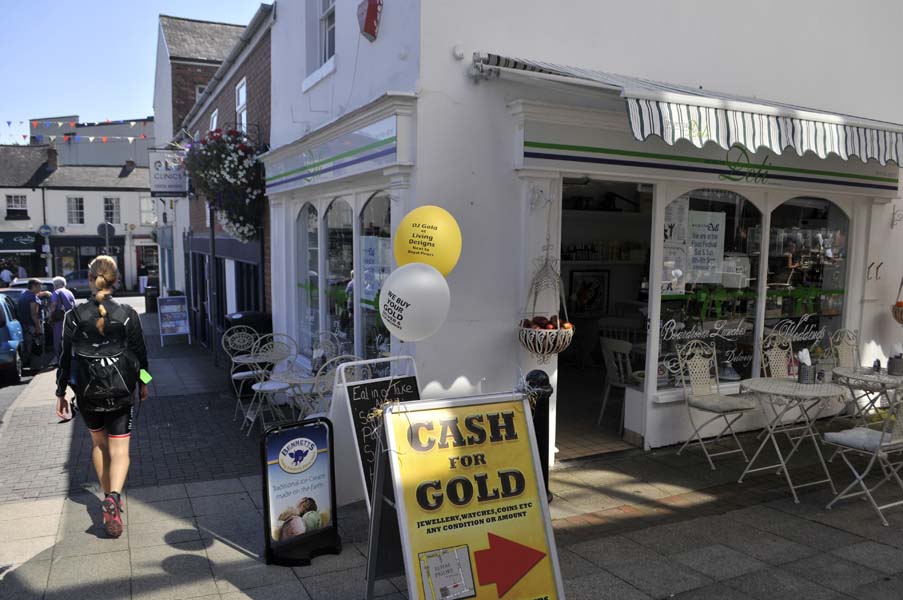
{"points": [[236, 568], [96, 576], [350, 558], [171, 572], [96, 541], [350, 583], [719, 562], [239, 503], [881, 557], [286, 590], [25, 581], [20, 551], [834, 572], [716, 591], [28, 528], [214, 487], [159, 533], [886, 588], [777, 584], [163, 510], [601, 586]]}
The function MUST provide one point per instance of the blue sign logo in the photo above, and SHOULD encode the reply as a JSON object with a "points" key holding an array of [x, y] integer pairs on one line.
{"points": [[45, 230]]}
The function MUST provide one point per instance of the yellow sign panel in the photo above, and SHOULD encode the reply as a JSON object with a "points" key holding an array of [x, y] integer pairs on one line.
{"points": [[471, 503]]}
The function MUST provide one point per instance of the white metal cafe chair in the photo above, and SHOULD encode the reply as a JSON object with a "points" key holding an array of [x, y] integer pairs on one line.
{"points": [[239, 341], [699, 374], [845, 348], [321, 393], [270, 351], [616, 356], [777, 356], [879, 445]]}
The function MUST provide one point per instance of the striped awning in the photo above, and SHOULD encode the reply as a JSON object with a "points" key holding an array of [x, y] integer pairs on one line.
{"points": [[674, 112]]}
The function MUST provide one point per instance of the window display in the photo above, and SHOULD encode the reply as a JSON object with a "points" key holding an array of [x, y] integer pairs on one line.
{"points": [[709, 267], [807, 273], [376, 264], [308, 226], [339, 273]]}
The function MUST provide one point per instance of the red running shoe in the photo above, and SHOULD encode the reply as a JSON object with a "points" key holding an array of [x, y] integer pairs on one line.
{"points": [[112, 520]]}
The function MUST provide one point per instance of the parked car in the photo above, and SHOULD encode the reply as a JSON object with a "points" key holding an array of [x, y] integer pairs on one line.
{"points": [[77, 282], [11, 338]]}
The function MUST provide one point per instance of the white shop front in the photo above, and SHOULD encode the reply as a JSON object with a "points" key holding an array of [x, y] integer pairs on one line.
{"points": [[666, 225], [682, 214]]}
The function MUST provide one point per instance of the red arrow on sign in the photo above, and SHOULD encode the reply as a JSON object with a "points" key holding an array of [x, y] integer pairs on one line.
{"points": [[504, 563]]}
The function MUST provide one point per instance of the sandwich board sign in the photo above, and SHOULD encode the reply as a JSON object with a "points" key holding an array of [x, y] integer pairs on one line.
{"points": [[300, 513], [470, 500], [173, 313], [363, 396]]}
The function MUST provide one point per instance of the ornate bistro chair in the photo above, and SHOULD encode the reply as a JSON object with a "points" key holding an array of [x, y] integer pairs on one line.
{"points": [[616, 356], [239, 341], [321, 393], [270, 351], [699, 375], [878, 445], [777, 356], [845, 348]]}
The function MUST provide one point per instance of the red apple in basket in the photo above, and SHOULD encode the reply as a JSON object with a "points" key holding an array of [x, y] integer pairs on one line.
{"points": [[551, 326], [567, 325], [526, 323], [535, 327], [554, 320], [541, 321], [899, 304]]}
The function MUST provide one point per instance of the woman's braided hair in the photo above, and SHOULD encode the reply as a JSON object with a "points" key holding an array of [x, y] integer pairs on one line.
{"points": [[105, 274]]}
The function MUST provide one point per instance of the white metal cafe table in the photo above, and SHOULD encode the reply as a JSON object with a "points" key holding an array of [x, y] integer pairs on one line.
{"points": [[778, 398], [867, 384]]}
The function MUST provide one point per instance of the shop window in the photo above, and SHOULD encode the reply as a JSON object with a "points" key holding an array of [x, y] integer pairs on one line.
{"points": [[376, 264], [807, 272], [75, 208], [214, 117], [307, 230], [16, 208], [111, 211], [709, 289], [339, 228], [148, 212]]}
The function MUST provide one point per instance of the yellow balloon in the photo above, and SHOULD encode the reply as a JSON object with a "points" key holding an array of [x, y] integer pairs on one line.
{"points": [[429, 234]]}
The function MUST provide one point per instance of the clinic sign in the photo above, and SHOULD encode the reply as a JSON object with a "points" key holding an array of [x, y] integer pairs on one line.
{"points": [[471, 505], [167, 173]]}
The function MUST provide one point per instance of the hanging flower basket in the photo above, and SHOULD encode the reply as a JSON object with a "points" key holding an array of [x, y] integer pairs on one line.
{"points": [[897, 309], [545, 335], [225, 169]]}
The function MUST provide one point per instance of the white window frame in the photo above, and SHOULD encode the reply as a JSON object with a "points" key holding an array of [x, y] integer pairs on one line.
{"points": [[214, 118], [112, 213], [17, 202], [327, 10], [207, 214], [199, 91], [75, 206], [241, 107]]}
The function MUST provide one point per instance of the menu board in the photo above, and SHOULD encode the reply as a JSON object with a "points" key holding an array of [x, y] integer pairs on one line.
{"points": [[173, 313], [676, 215], [706, 248]]}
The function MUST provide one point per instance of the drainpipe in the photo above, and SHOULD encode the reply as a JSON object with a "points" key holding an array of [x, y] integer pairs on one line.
{"points": [[47, 238], [211, 277]]}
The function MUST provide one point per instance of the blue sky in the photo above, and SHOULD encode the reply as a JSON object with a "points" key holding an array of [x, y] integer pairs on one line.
{"points": [[92, 58]]}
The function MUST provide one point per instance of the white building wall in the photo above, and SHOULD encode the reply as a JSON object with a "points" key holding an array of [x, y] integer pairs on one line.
{"points": [[363, 70], [35, 209]]}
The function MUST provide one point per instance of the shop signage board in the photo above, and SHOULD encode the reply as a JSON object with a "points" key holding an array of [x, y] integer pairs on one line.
{"points": [[471, 504], [173, 314], [17, 241], [300, 510], [167, 173], [365, 396]]}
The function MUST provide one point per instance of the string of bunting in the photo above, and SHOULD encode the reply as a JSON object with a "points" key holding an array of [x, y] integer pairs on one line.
{"points": [[35, 124], [77, 138]]}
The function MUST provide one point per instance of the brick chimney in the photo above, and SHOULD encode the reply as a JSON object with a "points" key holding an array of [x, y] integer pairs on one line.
{"points": [[52, 159]]}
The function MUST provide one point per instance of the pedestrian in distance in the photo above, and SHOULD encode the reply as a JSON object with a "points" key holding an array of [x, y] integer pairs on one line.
{"points": [[61, 301], [23, 274], [6, 276], [29, 313], [103, 354]]}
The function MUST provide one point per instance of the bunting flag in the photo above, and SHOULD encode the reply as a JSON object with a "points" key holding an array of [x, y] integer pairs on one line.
{"points": [[52, 138], [130, 139], [90, 139], [24, 137], [9, 123], [34, 124], [70, 138], [104, 139], [71, 123], [131, 123]]}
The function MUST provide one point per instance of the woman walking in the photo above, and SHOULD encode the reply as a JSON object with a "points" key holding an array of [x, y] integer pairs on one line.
{"points": [[102, 354]]}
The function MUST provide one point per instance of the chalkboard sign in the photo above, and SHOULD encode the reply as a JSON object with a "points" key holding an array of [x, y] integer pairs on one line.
{"points": [[300, 520], [363, 397], [173, 313]]}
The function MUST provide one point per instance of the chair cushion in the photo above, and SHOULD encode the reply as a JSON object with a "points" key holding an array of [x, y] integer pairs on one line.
{"points": [[270, 386], [860, 438], [242, 375], [719, 403]]}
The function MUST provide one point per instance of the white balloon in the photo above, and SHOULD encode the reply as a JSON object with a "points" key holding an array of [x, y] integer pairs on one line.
{"points": [[413, 302]]}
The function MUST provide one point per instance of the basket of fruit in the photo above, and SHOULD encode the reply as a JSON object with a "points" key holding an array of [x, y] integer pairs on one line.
{"points": [[897, 309], [541, 335]]}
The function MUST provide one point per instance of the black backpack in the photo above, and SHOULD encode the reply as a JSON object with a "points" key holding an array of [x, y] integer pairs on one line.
{"points": [[105, 371]]}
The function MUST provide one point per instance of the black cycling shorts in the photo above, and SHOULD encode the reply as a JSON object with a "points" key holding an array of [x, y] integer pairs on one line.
{"points": [[117, 424]]}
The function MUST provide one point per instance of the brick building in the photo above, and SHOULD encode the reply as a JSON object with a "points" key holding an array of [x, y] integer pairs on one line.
{"points": [[237, 96], [189, 54]]}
